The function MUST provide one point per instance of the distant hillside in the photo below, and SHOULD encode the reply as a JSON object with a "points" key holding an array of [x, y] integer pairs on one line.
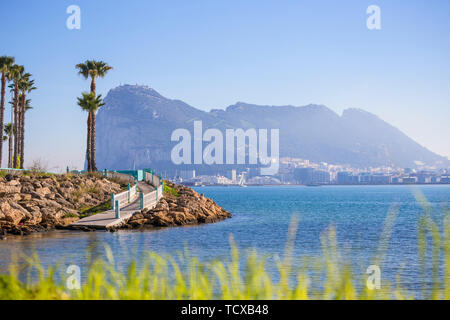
{"points": [[135, 126]]}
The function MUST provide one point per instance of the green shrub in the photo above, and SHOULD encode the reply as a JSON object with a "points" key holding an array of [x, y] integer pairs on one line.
{"points": [[70, 215], [94, 190], [169, 190], [85, 212]]}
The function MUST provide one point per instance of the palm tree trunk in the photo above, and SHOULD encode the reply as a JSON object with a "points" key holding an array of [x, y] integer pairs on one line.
{"points": [[2, 113], [16, 107], [11, 138], [22, 131], [19, 116], [10, 145], [94, 164], [93, 86], [92, 143], [88, 144]]}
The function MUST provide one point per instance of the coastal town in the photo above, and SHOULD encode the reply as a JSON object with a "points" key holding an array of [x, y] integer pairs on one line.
{"points": [[294, 171]]}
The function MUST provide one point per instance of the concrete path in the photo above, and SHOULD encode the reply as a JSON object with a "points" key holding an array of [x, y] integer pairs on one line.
{"points": [[103, 220], [108, 219]]}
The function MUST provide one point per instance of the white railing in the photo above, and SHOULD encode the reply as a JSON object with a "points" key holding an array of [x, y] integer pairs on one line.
{"points": [[150, 200], [133, 193], [124, 198], [153, 179]]}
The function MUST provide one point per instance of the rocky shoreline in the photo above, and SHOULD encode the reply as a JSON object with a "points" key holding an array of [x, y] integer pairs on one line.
{"points": [[183, 206], [39, 203]]}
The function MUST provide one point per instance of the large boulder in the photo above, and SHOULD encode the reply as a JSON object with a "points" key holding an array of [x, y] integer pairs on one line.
{"points": [[12, 212], [10, 187], [35, 217], [51, 215], [43, 191]]}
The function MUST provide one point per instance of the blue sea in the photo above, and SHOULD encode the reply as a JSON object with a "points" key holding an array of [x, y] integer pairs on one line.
{"points": [[261, 218]]}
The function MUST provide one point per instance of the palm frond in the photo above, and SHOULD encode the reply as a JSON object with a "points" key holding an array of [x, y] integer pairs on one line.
{"points": [[6, 63], [83, 69], [93, 69], [89, 102], [15, 72], [8, 129]]}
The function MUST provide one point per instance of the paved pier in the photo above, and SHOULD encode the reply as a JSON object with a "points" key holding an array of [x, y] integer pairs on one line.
{"points": [[108, 219]]}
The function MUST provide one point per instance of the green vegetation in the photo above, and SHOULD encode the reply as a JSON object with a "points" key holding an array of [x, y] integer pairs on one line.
{"points": [[83, 189], [31, 173], [240, 277], [70, 215], [169, 190], [39, 174], [94, 190], [85, 212], [67, 176], [77, 194], [28, 173]]}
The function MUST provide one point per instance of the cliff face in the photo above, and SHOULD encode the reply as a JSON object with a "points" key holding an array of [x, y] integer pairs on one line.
{"points": [[135, 127]]}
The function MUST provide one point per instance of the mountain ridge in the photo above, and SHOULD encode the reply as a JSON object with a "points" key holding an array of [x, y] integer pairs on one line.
{"points": [[135, 126]]}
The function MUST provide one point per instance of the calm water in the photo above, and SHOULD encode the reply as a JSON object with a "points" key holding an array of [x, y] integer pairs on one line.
{"points": [[261, 219]]}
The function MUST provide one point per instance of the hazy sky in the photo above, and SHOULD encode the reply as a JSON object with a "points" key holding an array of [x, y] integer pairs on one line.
{"points": [[213, 53]]}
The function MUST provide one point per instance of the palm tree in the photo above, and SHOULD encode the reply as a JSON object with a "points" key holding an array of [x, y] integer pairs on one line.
{"points": [[5, 65], [90, 103], [15, 74], [9, 131], [26, 86], [92, 69]]}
